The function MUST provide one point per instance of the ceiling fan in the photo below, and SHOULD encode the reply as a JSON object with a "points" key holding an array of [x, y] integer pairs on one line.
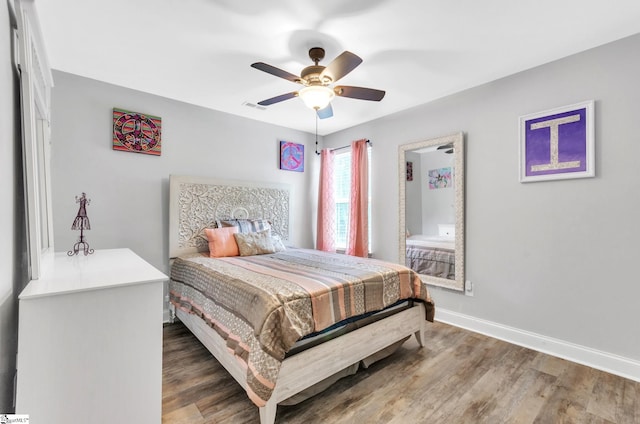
{"points": [[317, 93]]}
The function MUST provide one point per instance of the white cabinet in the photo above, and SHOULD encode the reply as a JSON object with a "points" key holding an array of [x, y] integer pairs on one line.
{"points": [[90, 341]]}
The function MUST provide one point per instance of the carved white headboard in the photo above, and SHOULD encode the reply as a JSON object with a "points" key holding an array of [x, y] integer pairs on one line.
{"points": [[195, 203]]}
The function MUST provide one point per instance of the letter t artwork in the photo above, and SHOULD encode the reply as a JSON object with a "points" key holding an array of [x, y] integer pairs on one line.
{"points": [[557, 144]]}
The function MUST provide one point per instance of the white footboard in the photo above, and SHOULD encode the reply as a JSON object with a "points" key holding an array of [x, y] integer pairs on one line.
{"points": [[307, 368]]}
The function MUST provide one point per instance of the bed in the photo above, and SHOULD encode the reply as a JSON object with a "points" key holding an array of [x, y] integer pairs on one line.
{"points": [[431, 255], [287, 321]]}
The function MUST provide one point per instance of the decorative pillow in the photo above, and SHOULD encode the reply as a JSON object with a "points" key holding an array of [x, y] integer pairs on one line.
{"points": [[246, 225], [258, 243], [260, 224], [278, 245], [213, 224], [222, 242]]}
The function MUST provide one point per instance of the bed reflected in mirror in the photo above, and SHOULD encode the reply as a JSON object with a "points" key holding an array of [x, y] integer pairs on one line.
{"points": [[432, 209]]}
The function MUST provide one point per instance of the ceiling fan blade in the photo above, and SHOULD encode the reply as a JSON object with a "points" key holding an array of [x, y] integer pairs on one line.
{"points": [[275, 71], [359, 93], [325, 113], [341, 66], [279, 98]]}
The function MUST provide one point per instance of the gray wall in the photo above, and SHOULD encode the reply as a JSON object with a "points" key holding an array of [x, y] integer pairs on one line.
{"points": [[129, 191], [13, 266], [554, 258]]}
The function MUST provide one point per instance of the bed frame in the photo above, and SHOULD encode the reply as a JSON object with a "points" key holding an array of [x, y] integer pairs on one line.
{"points": [[308, 367]]}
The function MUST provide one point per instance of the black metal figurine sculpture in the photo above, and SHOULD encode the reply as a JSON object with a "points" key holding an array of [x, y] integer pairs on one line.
{"points": [[81, 223]]}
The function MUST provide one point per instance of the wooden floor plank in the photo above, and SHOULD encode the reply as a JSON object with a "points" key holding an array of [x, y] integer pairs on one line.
{"points": [[458, 377], [550, 364], [614, 399], [605, 397], [629, 412], [529, 396], [190, 414]]}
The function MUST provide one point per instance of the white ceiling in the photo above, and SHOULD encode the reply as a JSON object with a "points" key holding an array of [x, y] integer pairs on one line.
{"points": [[200, 51]]}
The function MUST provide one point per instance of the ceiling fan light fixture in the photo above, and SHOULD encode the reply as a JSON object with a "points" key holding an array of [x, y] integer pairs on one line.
{"points": [[316, 96]]}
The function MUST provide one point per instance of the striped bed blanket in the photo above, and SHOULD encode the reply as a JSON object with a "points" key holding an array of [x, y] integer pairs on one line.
{"points": [[431, 261], [261, 305]]}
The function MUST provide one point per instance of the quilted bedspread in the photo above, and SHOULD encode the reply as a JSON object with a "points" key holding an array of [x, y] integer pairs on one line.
{"points": [[261, 305]]}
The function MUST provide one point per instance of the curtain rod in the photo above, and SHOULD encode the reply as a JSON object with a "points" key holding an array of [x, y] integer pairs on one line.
{"points": [[349, 145], [341, 147]]}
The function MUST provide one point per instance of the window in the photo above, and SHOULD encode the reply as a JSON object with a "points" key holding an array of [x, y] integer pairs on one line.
{"points": [[342, 192]]}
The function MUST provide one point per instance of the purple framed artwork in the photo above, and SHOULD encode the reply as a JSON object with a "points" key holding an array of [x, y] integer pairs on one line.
{"points": [[291, 156], [136, 132], [557, 143], [440, 178]]}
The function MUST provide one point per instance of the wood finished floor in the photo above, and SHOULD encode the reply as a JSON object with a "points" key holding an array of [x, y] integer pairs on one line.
{"points": [[459, 377]]}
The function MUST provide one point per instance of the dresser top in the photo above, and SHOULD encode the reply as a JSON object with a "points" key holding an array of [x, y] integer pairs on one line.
{"points": [[101, 270]]}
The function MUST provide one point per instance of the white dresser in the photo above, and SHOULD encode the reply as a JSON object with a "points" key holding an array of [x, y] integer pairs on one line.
{"points": [[90, 341]]}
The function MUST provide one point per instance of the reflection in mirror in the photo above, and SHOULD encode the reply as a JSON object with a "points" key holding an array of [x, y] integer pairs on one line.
{"points": [[432, 209]]}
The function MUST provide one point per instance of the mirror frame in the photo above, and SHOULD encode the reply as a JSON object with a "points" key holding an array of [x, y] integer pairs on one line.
{"points": [[457, 139]]}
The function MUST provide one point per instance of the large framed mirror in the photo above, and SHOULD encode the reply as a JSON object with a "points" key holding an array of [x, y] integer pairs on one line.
{"points": [[431, 238]]}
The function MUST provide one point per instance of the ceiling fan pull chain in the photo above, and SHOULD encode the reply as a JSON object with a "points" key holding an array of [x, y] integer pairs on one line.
{"points": [[317, 152]]}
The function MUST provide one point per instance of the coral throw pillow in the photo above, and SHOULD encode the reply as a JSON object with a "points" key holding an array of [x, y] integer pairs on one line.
{"points": [[222, 242]]}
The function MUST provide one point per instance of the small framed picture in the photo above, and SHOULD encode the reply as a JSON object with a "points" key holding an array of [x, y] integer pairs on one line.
{"points": [[557, 143], [136, 132], [291, 156], [409, 171], [440, 178]]}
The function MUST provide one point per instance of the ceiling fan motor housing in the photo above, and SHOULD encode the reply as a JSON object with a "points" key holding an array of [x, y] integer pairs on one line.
{"points": [[311, 74]]}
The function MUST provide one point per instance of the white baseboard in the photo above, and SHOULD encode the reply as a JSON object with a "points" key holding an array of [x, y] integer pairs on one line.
{"points": [[604, 361]]}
